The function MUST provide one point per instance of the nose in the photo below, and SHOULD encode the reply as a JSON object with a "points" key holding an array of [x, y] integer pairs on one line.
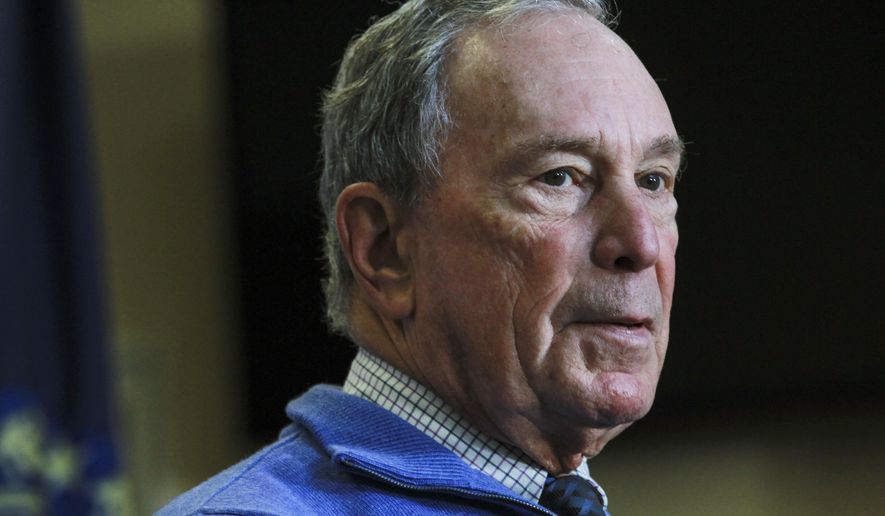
{"points": [[626, 237]]}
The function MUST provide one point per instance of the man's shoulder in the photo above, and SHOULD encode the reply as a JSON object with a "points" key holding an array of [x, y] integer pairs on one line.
{"points": [[345, 455], [296, 474], [284, 477], [265, 483]]}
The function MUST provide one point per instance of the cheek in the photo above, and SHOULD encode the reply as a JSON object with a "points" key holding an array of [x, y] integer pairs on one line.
{"points": [[504, 235], [550, 266], [666, 277], [512, 266], [505, 253], [541, 257], [479, 255], [514, 270], [669, 240]]}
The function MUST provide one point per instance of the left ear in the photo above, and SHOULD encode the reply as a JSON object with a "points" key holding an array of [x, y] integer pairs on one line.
{"points": [[373, 241]]}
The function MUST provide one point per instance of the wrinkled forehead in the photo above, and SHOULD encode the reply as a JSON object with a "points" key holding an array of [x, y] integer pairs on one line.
{"points": [[552, 76], [528, 48]]}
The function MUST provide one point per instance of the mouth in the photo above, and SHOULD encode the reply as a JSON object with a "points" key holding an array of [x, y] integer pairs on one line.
{"points": [[624, 333], [630, 323], [631, 329], [626, 323]]}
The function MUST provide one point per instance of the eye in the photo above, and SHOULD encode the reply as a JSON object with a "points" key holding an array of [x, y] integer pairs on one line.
{"points": [[653, 181], [557, 177]]}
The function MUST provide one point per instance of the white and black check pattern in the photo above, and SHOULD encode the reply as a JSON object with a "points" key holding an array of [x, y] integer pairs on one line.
{"points": [[374, 379]]}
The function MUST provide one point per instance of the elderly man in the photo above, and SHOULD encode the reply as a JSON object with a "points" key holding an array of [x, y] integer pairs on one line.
{"points": [[498, 189]]}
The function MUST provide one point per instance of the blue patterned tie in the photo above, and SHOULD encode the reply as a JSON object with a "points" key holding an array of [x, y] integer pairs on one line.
{"points": [[571, 495]]}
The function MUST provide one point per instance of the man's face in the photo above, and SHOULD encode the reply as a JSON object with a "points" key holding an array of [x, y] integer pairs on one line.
{"points": [[544, 259]]}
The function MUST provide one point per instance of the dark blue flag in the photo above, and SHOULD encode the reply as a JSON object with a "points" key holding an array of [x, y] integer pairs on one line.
{"points": [[56, 451]]}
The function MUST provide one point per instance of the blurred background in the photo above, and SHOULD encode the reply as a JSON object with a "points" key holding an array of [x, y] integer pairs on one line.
{"points": [[196, 133]]}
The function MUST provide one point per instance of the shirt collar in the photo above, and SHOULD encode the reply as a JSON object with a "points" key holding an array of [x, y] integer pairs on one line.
{"points": [[373, 379]]}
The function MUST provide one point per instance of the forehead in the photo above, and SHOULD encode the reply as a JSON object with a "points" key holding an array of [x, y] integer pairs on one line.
{"points": [[553, 75]]}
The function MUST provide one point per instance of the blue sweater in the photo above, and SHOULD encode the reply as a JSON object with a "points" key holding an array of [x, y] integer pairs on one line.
{"points": [[345, 455]]}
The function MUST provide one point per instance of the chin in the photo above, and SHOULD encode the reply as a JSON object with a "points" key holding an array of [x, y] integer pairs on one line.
{"points": [[621, 398], [599, 440]]}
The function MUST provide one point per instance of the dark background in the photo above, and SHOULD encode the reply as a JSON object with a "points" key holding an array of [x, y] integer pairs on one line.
{"points": [[778, 306]]}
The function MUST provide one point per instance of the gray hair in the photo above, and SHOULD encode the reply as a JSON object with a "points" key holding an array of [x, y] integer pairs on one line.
{"points": [[385, 118]]}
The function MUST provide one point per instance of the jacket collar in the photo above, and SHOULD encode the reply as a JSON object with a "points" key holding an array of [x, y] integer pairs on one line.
{"points": [[361, 436]]}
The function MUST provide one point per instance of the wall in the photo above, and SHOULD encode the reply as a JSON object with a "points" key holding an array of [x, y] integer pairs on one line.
{"points": [[157, 93]]}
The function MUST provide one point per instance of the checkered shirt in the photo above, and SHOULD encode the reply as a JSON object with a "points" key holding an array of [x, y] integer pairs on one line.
{"points": [[375, 380]]}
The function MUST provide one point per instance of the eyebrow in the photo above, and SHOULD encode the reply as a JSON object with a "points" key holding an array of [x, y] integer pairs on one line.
{"points": [[668, 146], [547, 143], [663, 146]]}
